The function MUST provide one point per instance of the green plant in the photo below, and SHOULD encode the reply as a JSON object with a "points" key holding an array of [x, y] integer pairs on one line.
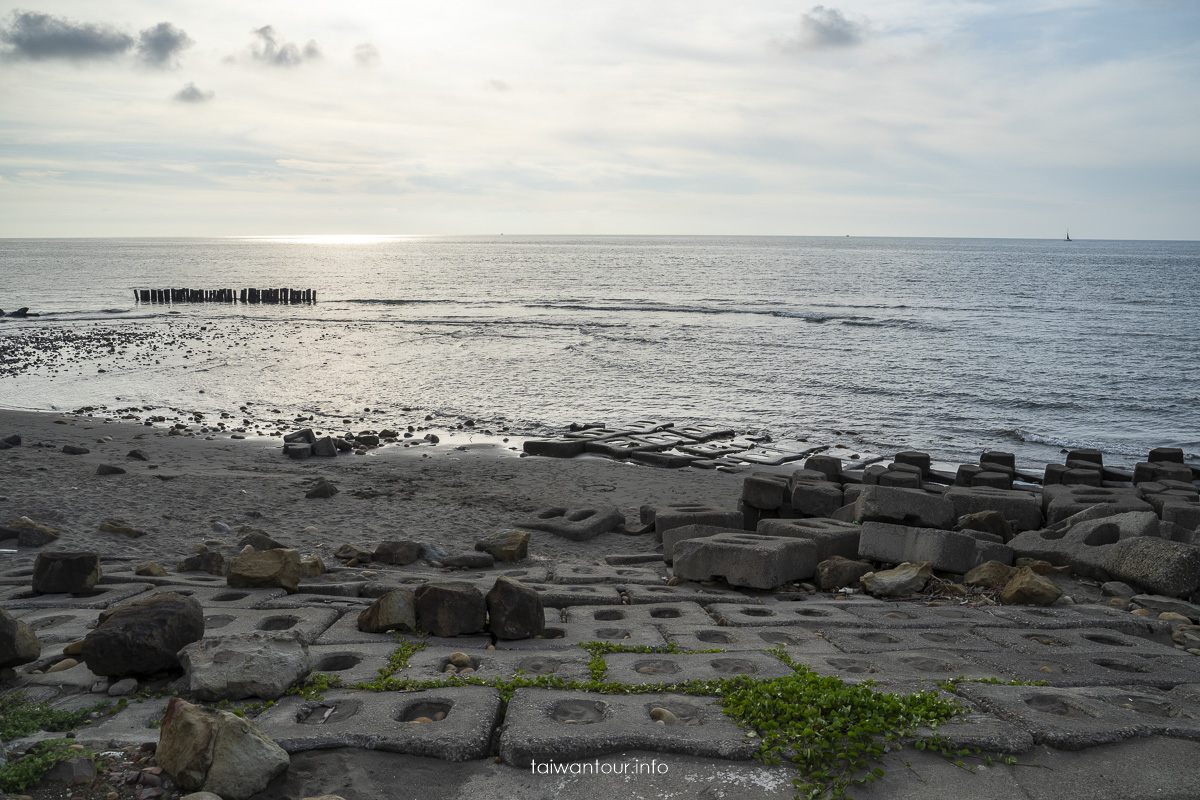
{"points": [[20, 718], [315, 685], [27, 770]]}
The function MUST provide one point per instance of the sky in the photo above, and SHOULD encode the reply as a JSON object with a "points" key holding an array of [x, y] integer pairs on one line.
{"points": [[990, 118]]}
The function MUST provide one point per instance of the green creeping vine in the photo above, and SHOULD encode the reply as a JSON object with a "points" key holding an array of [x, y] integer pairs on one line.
{"points": [[20, 718]]}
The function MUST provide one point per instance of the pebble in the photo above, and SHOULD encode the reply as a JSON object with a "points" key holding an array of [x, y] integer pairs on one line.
{"points": [[1171, 616], [65, 664], [663, 716], [1141, 612], [460, 659], [422, 719]]}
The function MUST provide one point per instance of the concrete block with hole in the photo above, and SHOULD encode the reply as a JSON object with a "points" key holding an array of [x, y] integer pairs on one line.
{"points": [[1085, 546], [1104, 667], [576, 524], [654, 615], [815, 498], [672, 536], [453, 724], [307, 623], [946, 551], [831, 537], [543, 725], [795, 641], [746, 559], [667, 668], [1060, 502], [677, 515]]}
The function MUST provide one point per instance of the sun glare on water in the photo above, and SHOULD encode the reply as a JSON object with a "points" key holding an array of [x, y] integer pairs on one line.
{"points": [[331, 238]]}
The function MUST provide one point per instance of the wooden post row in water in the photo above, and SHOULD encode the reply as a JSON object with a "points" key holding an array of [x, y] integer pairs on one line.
{"points": [[269, 296]]}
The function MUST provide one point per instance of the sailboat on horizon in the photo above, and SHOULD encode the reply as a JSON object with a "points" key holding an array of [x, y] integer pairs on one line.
{"points": [[1068, 234]]}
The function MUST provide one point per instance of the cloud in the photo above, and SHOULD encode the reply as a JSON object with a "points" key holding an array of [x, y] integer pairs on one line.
{"points": [[190, 94], [498, 86], [823, 28], [272, 49], [366, 55], [160, 46], [38, 37]]}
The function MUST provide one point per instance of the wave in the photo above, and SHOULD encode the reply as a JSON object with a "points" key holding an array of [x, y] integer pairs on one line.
{"points": [[1020, 435]]}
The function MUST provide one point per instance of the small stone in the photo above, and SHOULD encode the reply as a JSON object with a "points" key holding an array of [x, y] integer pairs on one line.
{"points": [[65, 664], [73, 450], [1171, 616], [149, 569], [121, 527], [123, 687], [1118, 602], [460, 659], [137, 455], [663, 715], [1141, 612], [109, 469], [1028, 587]]}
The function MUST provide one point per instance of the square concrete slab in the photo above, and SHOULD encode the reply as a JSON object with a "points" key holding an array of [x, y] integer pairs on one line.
{"points": [[309, 623], [668, 668], [746, 639], [1100, 669], [459, 727], [877, 640], [1075, 641], [544, 725], [102, 596], [682, 612]]}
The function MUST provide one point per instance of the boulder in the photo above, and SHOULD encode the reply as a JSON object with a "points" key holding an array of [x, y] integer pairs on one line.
{"points": [[1157, 565], [63, 572], [325, 447], [216, 751], [245, 665], [398, 553], [269, 569], [450, 608], [149, 569], [990, 575], [33, 534], [1027, 587], [352, 552], [322, 490], [144, 636], [311, 566], [837, 572], [912, 507], [18, 642], [904, 579], [212, 563], [508, 547], [305, 436], [514, 610], [257, 539], [394, 611]]}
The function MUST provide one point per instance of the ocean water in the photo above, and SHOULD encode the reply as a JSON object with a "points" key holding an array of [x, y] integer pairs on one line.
{"points": [[945, 345]]}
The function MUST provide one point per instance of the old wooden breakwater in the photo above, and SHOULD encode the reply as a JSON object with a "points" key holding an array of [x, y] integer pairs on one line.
{"points": [[271, 296]]}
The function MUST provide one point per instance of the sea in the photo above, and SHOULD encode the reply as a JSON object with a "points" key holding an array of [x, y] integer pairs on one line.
{"points": [[951, 346]]}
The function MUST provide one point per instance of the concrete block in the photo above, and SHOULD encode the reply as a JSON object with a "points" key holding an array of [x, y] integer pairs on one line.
{"points": [[567, 635], [468, 716], [831, 537], [899, 667], [903, 507], [352, 664], [879, 640], [668, 668], [307, 623], [579, 574], [545, 725], [1022, 509], [830, 465], [675, 516], [684, 592], [1157, 565], [1077, 641], [1182, 513], [653, 615], [746, 559], [1086, 546], [946, 551], [576, 524], [808, 615], [1108, 668], [812, 498], [671, 536], [765, 490], [98, 597]]}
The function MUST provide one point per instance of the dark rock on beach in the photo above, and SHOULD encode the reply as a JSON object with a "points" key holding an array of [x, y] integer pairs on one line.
{"points": [[144, 636], [65, 572]]}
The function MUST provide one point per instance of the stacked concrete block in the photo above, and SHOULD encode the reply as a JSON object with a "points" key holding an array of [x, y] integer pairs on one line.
{"points": [[1022, 509], [831, 537], [946, 551], [1163, 464], [903, 507], [1158, 565], [673, 536], [812, 494], [664, 518], [746, 559], [896, 475]]}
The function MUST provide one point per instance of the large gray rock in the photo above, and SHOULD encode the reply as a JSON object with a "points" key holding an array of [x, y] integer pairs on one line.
{"points": [[450, 608], [945, 551], [904, 579], [400, 552], [269, 569], [837, 572], [245, 665], [746, 559], [63, 572], [1022, 509], [144, 636], [394, 611], [1158, 565], [216, 751], [514, 610], [18, 642], [509, 547], [912, 507]]}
